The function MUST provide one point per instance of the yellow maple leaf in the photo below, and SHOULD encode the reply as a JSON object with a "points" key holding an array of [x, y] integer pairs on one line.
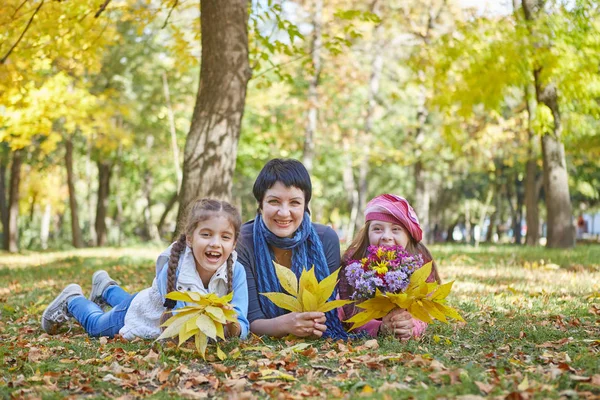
{"points": [[203, 317], [305, 294]]}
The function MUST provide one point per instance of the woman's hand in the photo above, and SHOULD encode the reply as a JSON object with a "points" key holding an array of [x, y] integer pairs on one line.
{"points": [[304, 324], [399, 323]]}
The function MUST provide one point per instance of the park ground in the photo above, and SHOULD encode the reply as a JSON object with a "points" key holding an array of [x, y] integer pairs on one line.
{"points": [[532, 331]]}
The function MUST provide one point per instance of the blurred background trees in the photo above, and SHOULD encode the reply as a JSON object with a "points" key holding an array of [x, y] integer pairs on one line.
{"points": [[485, 118]]}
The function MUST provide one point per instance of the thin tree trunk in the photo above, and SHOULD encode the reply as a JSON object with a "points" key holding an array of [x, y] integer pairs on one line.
{"points": [[484, 211], [422, 198], [45, 226], [211, 145], [174, 147], [313, 98], [350, 188], [104, 171], [90, 191], [3, 203], [77, 237], [11, 235], [163, 217], [532, 217], [150, 228], [376, 68], [561, 233]]}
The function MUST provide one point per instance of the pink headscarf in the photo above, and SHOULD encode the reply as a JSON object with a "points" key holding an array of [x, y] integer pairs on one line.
{"points": [[394, 209]]}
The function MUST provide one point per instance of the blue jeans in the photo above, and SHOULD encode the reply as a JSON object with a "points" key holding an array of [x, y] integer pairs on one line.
{"points": [[97, 322]]}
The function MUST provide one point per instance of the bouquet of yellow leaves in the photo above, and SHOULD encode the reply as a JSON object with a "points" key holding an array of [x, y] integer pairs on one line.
{"points": [[424, 301], [305, 294], [204, 319]]}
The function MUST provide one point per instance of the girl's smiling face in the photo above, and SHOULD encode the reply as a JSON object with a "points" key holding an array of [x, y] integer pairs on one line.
{"points": [[211, 242], [283, 209], [383, 233]]}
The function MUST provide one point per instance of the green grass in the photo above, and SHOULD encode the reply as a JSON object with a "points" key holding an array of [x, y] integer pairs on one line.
{"points": [[533, 327]]}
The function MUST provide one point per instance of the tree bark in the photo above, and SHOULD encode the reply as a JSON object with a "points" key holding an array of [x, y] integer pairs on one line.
{"points": [[313, 97], [211, 145], [104, 172], [77, 237], [561, 233], [11, 235]]}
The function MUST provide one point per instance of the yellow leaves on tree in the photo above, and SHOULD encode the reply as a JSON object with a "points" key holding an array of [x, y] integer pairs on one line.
{"points": [[203, 319], [306, 294], [424, 301]]}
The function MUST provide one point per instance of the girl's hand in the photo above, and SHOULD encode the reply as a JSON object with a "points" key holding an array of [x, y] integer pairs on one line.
{"points": [[305, 324], [399, 323], [232, 329]]}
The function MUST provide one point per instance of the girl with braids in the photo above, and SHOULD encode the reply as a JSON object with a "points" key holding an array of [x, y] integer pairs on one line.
{"points": [[201, 260], [389, 221], [283, 232]]}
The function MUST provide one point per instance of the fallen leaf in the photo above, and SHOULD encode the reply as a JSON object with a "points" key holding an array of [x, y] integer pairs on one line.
{"points": [[486, 388], [580, 378], [372, 344], [152, 357]]}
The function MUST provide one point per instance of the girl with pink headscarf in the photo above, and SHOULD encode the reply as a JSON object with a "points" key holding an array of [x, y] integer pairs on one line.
{"points": [[389, 221]]}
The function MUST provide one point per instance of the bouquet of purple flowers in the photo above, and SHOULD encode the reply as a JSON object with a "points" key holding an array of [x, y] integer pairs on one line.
{"points": [[387, 268]]}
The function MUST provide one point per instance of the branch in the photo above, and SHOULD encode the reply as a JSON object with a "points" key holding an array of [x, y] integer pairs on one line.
{"points": [[3, 60], [18, 8], [170, 11], [102, 8]]}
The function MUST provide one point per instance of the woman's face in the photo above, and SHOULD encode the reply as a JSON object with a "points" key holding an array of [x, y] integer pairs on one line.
{"points": [[283, 209], [383, 233]]}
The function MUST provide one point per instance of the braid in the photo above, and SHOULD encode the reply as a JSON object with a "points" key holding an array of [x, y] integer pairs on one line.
{"points": [[176, 250], [229, 274]]}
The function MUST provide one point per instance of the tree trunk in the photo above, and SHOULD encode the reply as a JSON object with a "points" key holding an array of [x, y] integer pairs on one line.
{"points": [[350, 188], [45, 226], [77, 237], [150, 229], [163, 217], [11, 235], [561, 233], [313, 98], [3, 204], [174, 147], [532, 218], [422, 198], [376, 68], [104, 171], [90, 192], [211, 145]]}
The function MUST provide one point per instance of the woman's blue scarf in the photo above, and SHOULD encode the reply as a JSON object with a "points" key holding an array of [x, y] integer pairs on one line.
{"points": [[307, 250]]}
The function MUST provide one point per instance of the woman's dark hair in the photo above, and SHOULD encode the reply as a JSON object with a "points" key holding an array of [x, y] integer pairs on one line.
{"points": [[290, 172]]}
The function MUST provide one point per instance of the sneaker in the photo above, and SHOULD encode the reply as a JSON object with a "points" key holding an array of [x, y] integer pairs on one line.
{"points": [[100, 282], [56, 313]]}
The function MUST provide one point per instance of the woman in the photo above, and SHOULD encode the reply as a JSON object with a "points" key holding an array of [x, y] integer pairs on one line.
{"points": [[282, 232]]}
